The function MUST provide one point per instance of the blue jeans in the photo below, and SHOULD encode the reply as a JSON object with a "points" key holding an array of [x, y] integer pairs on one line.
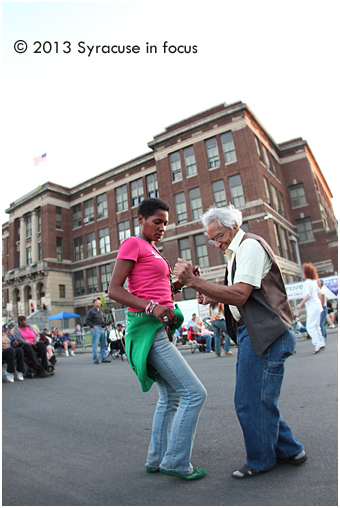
{"points": [[322, 321], [219, 326], [258, 386], [99, 335], [181, 397], [208, 339]]}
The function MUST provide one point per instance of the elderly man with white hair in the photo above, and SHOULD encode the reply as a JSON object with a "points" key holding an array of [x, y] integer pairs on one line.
{"points": [[258, 316]]}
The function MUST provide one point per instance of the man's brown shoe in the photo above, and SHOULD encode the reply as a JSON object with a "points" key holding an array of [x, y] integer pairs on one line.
{"points": [[106, 361], [228, 353]]}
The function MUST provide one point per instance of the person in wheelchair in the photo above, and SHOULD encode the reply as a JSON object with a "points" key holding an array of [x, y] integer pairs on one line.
{"points": [[201, 334], [10, 353], [28, 339], [115, 340], [66, 343]]}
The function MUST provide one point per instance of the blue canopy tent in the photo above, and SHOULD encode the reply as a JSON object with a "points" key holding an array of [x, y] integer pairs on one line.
{"points": [[63, 315]]}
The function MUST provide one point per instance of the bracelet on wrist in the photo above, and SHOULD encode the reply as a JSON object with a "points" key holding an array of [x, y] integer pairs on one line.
{"points": [[175, 290], [150, 308]]}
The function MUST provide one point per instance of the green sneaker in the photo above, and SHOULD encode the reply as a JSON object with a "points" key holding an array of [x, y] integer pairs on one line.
{"points": [[196, 474], [150, 469]]}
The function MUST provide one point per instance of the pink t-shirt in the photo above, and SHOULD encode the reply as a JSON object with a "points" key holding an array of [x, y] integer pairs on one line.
{"points": [[150, 277], [28, 334]]}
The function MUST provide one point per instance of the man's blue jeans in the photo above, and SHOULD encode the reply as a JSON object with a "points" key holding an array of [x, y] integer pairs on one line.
{"points": [[99, 335], [258, 386], [322, 321], [181, 397], [219, 326]]}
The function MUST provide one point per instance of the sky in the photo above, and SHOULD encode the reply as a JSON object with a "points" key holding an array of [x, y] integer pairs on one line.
{"points": [[93, 112]]}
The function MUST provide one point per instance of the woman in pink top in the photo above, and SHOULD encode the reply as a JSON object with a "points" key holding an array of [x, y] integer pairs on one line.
{"points": [[181, 394], [28, 339]]}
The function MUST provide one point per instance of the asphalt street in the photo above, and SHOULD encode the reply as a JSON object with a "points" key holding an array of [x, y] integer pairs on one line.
{"points": [[80, 437]]}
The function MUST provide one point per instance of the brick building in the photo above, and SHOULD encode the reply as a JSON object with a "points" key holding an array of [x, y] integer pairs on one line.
{"points": [[60, 244]]}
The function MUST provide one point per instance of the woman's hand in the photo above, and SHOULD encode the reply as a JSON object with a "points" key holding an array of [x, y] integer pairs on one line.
{"points": [[161, 312]]}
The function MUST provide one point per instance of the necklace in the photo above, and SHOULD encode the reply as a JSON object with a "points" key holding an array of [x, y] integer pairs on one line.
{"points": [[174, 290]]}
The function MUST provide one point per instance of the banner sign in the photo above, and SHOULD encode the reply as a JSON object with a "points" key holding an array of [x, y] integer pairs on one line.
{"points": [[295, 289]]}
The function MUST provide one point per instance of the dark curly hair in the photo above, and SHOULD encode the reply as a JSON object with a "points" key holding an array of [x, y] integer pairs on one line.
{"points": [[310, 271], [149, 206]]}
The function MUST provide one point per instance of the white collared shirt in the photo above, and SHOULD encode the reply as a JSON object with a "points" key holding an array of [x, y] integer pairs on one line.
{"points": [[252, 264]]}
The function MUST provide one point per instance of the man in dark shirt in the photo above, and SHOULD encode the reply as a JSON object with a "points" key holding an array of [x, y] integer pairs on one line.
{"points": [[96, 320]]}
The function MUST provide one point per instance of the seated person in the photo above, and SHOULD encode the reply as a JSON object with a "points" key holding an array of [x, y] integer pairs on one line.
{"points": [[330, 315], [116, 341], [201, 332], [49, 348], [298, 324], [10, 353], [28, 339], [77, 330], [66, 342]]}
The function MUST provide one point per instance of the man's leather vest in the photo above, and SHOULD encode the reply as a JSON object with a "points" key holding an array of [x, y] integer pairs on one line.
{"points": [[267, 313]]}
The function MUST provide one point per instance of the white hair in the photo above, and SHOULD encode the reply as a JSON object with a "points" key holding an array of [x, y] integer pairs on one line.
{"points": [[227, 216]]}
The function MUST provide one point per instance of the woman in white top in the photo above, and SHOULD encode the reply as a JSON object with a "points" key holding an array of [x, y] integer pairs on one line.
{"points": [[313, 306]]}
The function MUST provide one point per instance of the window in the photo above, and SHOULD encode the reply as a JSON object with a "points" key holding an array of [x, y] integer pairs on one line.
{"points": [[104, 241], [152, 186], [184, 249], [39, 220], [17, 227], [121, 198], [266, 156], [258, 148], [275, 198], [58, 222], [212, 152], [284, 243], [137, 192], [28, 255], [78, 248], [245, 227], [190, 161], [297, 195], [39, 252], [136, 227], [62, 291], [123, 231], [181, 208], [88, 211], [196, 203], [105, 277], [278, 241], [28, 221], [76, 212], [273, 166], [102, 206], [220, 198], [236, 191], [282, 205], [201, 251], [305, 230], [92, 282], [189, 294], [228, 147], [79, 283], [176, 168], [90, 245], [59, 249], [266, 186]]}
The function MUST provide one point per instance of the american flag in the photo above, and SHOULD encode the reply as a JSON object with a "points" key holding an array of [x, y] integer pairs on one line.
{"points": [[40, 158]]}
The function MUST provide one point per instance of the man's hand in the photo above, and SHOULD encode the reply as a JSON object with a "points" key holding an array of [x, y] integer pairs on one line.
{"points": [[184, 272], [202, 299]]}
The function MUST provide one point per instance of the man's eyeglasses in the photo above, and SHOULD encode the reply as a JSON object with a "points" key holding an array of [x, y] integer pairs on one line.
{"points": [[217, 238]]}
